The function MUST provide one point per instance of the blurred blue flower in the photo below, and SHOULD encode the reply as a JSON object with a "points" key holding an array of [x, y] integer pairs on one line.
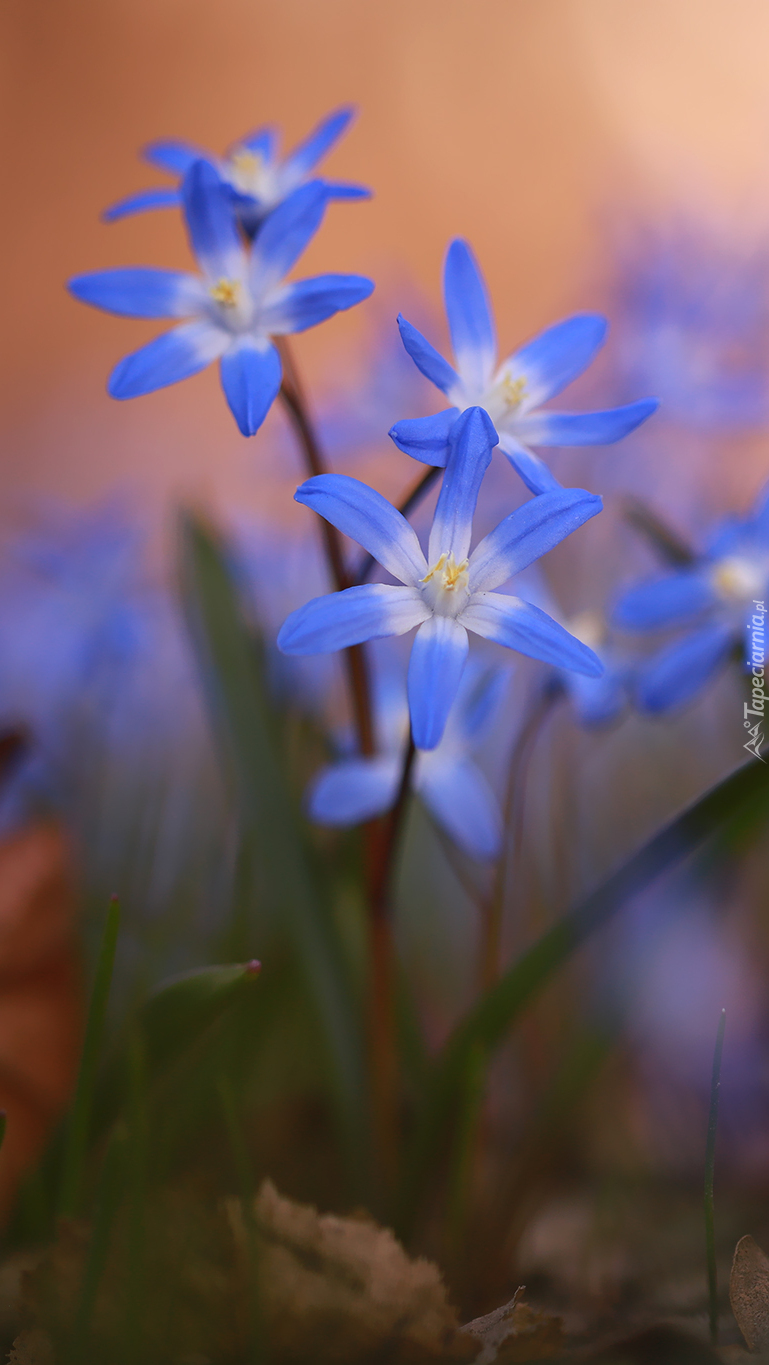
{"points": [[451, 785], [511, 393], [257, 180], [447, 593], [238, 305], [720, 594], [694, 326]]}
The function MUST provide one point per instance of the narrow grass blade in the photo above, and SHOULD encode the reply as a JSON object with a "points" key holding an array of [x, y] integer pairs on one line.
{"points": [[78, 1128], [490, 1019], [710, 1159], [108, 1195], [172, 1021], [245, 1176], [232, 667]]}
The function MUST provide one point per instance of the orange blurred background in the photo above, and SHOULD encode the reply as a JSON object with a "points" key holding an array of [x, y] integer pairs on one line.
{"points": [[517, 123]]}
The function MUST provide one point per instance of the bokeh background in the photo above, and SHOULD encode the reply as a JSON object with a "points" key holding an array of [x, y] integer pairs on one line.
{"points": [[598, 155]]}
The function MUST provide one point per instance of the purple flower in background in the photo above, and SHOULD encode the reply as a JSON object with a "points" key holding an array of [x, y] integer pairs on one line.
{"points": [[694, 327], [449, 782], [511, 393], [256, 178], [719, 596], [237, 304]]}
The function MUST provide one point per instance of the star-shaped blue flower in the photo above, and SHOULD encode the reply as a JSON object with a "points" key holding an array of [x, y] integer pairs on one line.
{"points": [[449, 782], [718, 595], [448, 593], [237, 304], [511, 393], [252, 170]]}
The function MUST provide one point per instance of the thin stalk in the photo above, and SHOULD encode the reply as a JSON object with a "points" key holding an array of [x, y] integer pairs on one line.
{"points": [[138, 1123], [294, 401], [670, 546], [514, 811], [411, 500], [383, 838], [80, 1116], [245, 1175], [108, 1196], [710, 1157]]}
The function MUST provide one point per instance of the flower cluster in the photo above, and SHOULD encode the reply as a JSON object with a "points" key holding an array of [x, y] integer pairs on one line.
{"points": [[249, 216]]}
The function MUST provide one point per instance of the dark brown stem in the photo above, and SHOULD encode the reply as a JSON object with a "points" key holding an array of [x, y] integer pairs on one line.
{"points": [[295, 403], [669, 545], [383, 837], [515, 806], [411, 501]]}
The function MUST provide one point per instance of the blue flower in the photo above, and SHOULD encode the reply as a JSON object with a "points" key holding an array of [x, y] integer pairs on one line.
{"points": [[450, 784], [256, 179], [237, 306], [511, 393], [722, 594], [447, 593]]}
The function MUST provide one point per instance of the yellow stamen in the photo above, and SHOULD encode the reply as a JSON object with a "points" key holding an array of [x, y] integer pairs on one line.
{"points": [[513, 391], [450, 571], [738, 578], [246, 164], [226, 292]]}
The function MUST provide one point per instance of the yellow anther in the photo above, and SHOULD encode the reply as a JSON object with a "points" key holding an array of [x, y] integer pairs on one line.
{"points": [[449, 570], [246, 164], [226, 292], [513, 391], [739, 578]]}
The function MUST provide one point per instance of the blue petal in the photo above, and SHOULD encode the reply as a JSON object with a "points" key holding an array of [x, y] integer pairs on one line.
{"points": [[472, 440], [435, 670], [141, 203], [534, 472], [469, 314], [584, 428], [558, 355], [341, 190], [520, 625], [350, 793], [171, 357], [426, 358], [141, 292], [286, 233], [596, 701], [173, 156], [251, 376], [665, 600], [460, 799], [425, 438], [479, 702], [677, 673], [368, 612], [364, 515], [211, 222], [528, 533], [309, 302], [320, 141], [262, 142], [760, 517]]}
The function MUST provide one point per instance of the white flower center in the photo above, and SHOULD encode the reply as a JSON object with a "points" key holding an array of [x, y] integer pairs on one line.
{"points": [[445, 585], [740, 580], [504, 397], [232, 305], [251, 174]]}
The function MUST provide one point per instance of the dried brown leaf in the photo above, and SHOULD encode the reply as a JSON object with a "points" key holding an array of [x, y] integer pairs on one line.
{"points": [[516, 1332], [343, 1290], [749, 1293], [32, 1348]]}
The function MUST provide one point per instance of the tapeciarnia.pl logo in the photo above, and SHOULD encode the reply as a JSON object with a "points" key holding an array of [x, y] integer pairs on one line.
{"points": [[757, 703]]}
